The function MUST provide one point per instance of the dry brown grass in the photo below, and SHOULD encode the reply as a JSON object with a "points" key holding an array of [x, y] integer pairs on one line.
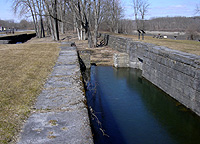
{"points": [[187, 46], [181, 45], [18, 33], [23, 71]]}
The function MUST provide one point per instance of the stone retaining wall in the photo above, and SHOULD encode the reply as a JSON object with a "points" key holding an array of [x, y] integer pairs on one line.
{"points": [[13, 39], [61, 115], [177, 73]]}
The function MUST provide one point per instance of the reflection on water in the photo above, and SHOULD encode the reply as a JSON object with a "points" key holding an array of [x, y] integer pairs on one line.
{"points": [[133, 111], [19, 43]]}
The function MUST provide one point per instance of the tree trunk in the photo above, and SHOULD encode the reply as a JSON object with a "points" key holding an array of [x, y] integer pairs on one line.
{"points": [[79, 37], [95, 34], [90, 42], [55, 21], [88, 26], [81, 30], [62, 13], [42, 28], [36, 21], [136, 7], [117, 27], [48, 12], [75, 21], [39, 6], [96, 20], [48, 20], [51, 28]]}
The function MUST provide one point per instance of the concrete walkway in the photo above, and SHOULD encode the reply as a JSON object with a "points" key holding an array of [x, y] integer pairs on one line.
{"points": [[61, 116]]}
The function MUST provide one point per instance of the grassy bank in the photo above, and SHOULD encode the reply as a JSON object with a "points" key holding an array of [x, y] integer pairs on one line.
{"points": [[17, 33], [23, 71], [187, 46], [181, 45]]}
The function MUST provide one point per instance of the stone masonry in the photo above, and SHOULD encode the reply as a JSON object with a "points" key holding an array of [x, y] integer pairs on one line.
{"points": [[60, 114], [177, 73]]}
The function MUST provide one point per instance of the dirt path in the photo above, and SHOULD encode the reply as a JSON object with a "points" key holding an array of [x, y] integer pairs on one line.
{"points": [[100, 55]]}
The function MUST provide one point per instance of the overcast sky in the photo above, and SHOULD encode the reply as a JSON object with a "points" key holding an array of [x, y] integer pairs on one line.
{"points": [[157, 8]]}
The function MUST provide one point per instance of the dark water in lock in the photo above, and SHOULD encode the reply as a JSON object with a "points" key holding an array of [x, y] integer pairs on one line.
{"points": [[133, 111]]}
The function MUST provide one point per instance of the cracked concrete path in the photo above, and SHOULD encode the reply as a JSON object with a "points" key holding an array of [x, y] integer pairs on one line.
{"points": [[60, 115]]}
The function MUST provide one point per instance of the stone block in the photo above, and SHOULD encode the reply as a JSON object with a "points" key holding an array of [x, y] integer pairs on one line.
{"points": [[62, 60], [121, 60], [61, 99], [183, 68], [185, 101], [133, 64], [185, 79], [196, 107], [188, 59], [65, 70], [57, 127], [197, 96], [189, 92], [63, 82], [197, 80]]}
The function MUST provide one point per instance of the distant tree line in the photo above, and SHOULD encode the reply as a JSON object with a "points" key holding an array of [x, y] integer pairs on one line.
{"points": [[173, 23], [181, 24], [23, 24], [189, 25], [87, 17]]}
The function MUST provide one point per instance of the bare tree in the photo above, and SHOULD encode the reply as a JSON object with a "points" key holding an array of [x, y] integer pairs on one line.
{"points": [[143, 9], [32, 8], [26, 7], [96, 19], [197, 10], [78, 17], [192, 31], [55, 19], [39, 6], [46, 5], [88, 24], [39, 9], [126, 26], [62, 7], [51, 8], [112, 12], [140, 9], [83, 15], [136, 6], [82, 11]]}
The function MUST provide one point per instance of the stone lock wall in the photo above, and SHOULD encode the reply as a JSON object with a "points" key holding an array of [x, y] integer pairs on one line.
{"points": [[60, 115], [177, 73], [12, 39]]}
